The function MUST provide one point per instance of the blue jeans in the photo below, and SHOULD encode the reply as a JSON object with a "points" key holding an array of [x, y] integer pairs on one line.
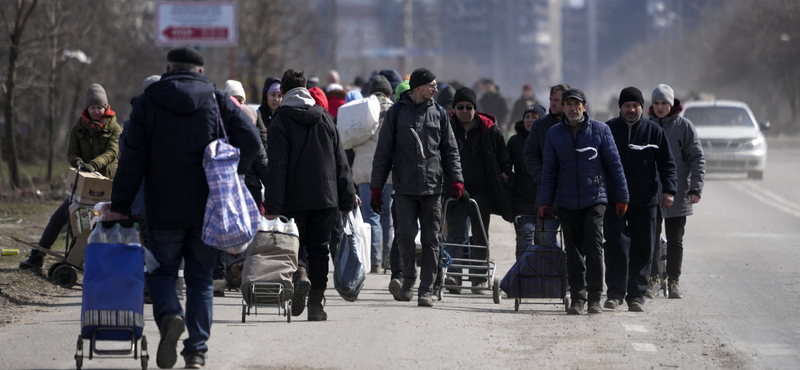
{"points": [[169, 246], [379, 222]]}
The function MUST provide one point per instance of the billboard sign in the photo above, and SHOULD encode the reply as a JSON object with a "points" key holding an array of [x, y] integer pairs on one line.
{"points": [[196, 23]]}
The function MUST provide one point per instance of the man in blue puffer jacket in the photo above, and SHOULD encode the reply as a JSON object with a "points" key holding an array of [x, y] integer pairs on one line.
{"points": [[579, 154], [646, 157]]}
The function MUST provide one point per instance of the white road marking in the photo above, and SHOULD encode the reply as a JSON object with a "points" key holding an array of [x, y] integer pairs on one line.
{"points": [[636, 328], [768, 197], [774, 349], [644, 347]]}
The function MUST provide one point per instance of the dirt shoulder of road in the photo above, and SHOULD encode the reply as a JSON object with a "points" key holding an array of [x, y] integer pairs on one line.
{"points": [[24, 215]]}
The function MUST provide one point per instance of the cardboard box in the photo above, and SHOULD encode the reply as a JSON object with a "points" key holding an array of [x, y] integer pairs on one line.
{"points": [[75, 256], [91, 188], [80, 217]]}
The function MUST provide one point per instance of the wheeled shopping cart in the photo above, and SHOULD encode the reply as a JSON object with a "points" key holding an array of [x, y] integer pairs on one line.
{"points": [[540, 270], [112, 304], [267, 295], [476, 268]]}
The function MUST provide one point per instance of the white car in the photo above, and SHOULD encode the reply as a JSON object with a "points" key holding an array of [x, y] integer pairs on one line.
{"points": [[731, 137]]}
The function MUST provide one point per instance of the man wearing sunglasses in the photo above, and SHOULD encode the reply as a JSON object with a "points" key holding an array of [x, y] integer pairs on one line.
{"points": [[486, 167], [416, 144]]}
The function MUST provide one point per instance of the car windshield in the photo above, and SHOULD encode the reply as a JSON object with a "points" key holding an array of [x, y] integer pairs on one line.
{"points": [[719, 116]]}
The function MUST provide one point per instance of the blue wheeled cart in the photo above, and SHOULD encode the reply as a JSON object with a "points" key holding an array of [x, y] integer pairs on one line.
{"points": [[540, 271], [112, 306]]}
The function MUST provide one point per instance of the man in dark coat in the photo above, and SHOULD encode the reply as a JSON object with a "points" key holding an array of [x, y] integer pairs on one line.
{"points": [[690, 164], [309, 180], [580, 157], [488, 177], [416, 144], [644, 151], [533, 155], [171, 124]]}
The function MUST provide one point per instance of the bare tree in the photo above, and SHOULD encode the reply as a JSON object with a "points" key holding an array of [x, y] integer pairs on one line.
{"points": [[15, 28]]}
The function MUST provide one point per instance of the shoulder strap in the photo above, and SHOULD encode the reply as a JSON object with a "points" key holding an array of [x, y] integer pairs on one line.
{"points": [[219, 117], [442, 116]]}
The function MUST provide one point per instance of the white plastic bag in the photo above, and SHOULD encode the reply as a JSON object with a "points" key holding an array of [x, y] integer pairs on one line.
{"points": [[363, 233], [357, 121]]}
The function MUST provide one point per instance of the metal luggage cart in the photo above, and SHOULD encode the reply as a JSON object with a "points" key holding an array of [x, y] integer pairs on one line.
{"points": [[564, 296], [65, 272], [268, 295], [475, 268]]}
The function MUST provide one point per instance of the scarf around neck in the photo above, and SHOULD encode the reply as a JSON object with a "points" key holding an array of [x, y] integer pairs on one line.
{"points": [[92, 126]]}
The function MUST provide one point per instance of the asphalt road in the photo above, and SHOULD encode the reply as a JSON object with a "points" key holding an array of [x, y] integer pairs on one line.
{"points": [[741, 279]]}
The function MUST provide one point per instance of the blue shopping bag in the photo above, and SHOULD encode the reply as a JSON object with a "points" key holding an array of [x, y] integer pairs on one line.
{"points": [[349, 272]]}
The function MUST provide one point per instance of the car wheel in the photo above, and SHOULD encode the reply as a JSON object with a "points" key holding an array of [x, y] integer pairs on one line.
{"points": [[755, 175]]}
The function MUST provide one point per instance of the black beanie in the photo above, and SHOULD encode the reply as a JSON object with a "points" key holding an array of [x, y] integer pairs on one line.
{"points": [[419, 77], [185, 55], [630, 94], [465, 94], [382, 85]]}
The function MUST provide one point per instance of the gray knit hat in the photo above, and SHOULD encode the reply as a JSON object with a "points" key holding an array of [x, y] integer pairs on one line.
{"points": [[96, 95], [665, 93]]}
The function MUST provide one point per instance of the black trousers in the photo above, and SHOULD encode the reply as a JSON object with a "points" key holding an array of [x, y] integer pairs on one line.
{"points": [[427, 209], [583, 239], [314, 228], [629, 252], [675, 228]]}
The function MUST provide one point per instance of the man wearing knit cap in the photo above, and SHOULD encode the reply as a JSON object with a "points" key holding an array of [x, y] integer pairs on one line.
{"points": [[171, 124], [690, 166], [646, 159], [416, 144], [486, 168], [580, 159]]}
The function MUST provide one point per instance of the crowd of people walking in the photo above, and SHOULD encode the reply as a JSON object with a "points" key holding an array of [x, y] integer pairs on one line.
{"points": [[607, 185]]}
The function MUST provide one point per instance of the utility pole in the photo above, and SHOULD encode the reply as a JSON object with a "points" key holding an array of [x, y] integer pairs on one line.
{"points": [[408, 37], [591, 12]]}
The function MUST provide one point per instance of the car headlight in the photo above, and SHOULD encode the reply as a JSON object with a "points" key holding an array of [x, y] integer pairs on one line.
{"points": [[754, 144]]}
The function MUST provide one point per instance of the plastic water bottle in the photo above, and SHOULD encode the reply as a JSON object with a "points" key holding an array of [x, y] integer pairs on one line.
{"points": [[291, 228], [276, 225], [115, 235], [131, 235], [98, 235]]}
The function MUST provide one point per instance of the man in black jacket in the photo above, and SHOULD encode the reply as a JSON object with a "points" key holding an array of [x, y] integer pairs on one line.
{"points": [[646, 157], [309, 179], [416, 144], [486, 168], [532, 154], [170, 126]]}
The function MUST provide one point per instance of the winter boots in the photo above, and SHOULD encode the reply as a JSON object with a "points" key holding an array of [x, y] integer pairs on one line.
{"points": [[34, 262], [316, 299], [301, 287]]}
